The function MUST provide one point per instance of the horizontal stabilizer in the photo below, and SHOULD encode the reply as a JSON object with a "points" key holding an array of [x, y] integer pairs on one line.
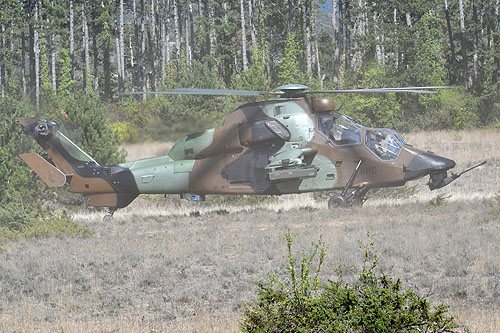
{"points": [[51, 175]]}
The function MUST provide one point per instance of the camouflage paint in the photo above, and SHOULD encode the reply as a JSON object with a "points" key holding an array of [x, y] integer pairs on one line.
{"points": [[267, 147]]}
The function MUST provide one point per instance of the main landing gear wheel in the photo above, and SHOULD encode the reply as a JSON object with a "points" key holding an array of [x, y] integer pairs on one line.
{"points": [[354, 197], [337, 201]]}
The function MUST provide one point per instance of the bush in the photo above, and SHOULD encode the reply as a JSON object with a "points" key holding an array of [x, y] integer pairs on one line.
{"points": [[125, 130], [376, 303], [494, 205]]}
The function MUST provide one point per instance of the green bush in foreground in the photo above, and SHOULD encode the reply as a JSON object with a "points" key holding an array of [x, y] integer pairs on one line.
{"points": [[376, 303]]}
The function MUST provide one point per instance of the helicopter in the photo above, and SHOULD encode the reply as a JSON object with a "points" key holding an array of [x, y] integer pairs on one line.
{"points": [[295, 143]]}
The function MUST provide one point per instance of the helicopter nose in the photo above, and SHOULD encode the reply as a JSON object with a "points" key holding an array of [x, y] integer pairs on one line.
{"points": [[426, 163]]}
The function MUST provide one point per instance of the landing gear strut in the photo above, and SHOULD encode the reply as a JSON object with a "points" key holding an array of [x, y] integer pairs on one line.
{"points": [[349, 196], [109, 216]]}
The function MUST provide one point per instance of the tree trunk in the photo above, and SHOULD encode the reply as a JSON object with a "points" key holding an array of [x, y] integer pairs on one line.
{"points": [[122, 48], [71, 40], [95, 51], [118, 62], [496, 41], [252, 24], [475, 42], [85, 41], [152, 46], [243, 37], [163, 41], [454, 76], [191, 30], [53, 61], [36, 51], [23, 62], [177, 35], [2, 66], [336, 52], [307, 29], [106, 64], [135, 72], [347, 25], [408, 20], [464, 43], [142, 71], [186, 39], [167, 32], [211, 31]]}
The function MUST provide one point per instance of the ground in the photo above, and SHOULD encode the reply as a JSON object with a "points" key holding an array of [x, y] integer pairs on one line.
{"points": [[169, 265]]}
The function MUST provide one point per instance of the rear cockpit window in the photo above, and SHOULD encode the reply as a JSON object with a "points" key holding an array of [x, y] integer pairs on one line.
{"points": [[340, 130], [382, 143]]}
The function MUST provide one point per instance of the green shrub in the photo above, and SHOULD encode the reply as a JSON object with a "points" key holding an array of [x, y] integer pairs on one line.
{"points": [[125, 130], [494, 205], [55, 225], [376, 303], [438, 200]]}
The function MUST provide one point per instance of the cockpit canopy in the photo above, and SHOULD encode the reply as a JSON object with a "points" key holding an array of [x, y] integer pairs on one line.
{"points": [[383, 143], [342, 130]]}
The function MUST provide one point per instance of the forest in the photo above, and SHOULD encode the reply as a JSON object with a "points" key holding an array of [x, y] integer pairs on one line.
{"points": [[52, 51]]}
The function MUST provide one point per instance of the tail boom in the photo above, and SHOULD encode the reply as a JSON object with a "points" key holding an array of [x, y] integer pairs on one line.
{"points": [[102, 186]]}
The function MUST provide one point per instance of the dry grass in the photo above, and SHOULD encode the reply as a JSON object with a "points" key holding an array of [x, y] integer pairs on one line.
{"points": [[170, 265]]}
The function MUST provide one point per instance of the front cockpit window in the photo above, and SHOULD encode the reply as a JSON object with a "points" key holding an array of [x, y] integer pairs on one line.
{"points": [[382, 143], [339, 129]]}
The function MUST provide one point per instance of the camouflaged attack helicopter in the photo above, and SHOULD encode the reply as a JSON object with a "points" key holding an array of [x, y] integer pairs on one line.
{"points": [[293, 144]]}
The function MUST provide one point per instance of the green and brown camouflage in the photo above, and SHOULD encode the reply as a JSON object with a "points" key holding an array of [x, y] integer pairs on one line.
{"points": [[287, 145]]}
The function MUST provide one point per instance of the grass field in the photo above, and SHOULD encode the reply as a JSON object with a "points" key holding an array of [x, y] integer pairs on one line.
{"points": [[169, 265]]}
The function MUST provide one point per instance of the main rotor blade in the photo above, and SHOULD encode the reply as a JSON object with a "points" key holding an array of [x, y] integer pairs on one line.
{"points": [[418, 90], [428, 87], [372, 90], [195, 91]]}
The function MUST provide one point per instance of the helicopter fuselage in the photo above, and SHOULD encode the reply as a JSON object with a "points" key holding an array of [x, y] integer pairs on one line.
{"points": [[289, 145]]}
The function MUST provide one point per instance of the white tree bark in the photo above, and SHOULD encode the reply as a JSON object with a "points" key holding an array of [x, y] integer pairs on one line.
{"points": [[186, 38], [475, 60], [211, 33], [191, 32], [122, 46], [85, 42], [177, 34], [307, 29], [118, 61], [408, 20], [336, 52], [131, 51], [36, 51], [143, 76], [243, 37], [163, 41], [23, 62], [2, 66], [467, 79], [167, 32], [53, 62], [252, 24], [378, 47], [71, 40]]}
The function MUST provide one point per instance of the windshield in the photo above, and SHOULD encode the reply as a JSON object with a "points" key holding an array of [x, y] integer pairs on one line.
{"points": [[383, 143], [339, 129]]}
